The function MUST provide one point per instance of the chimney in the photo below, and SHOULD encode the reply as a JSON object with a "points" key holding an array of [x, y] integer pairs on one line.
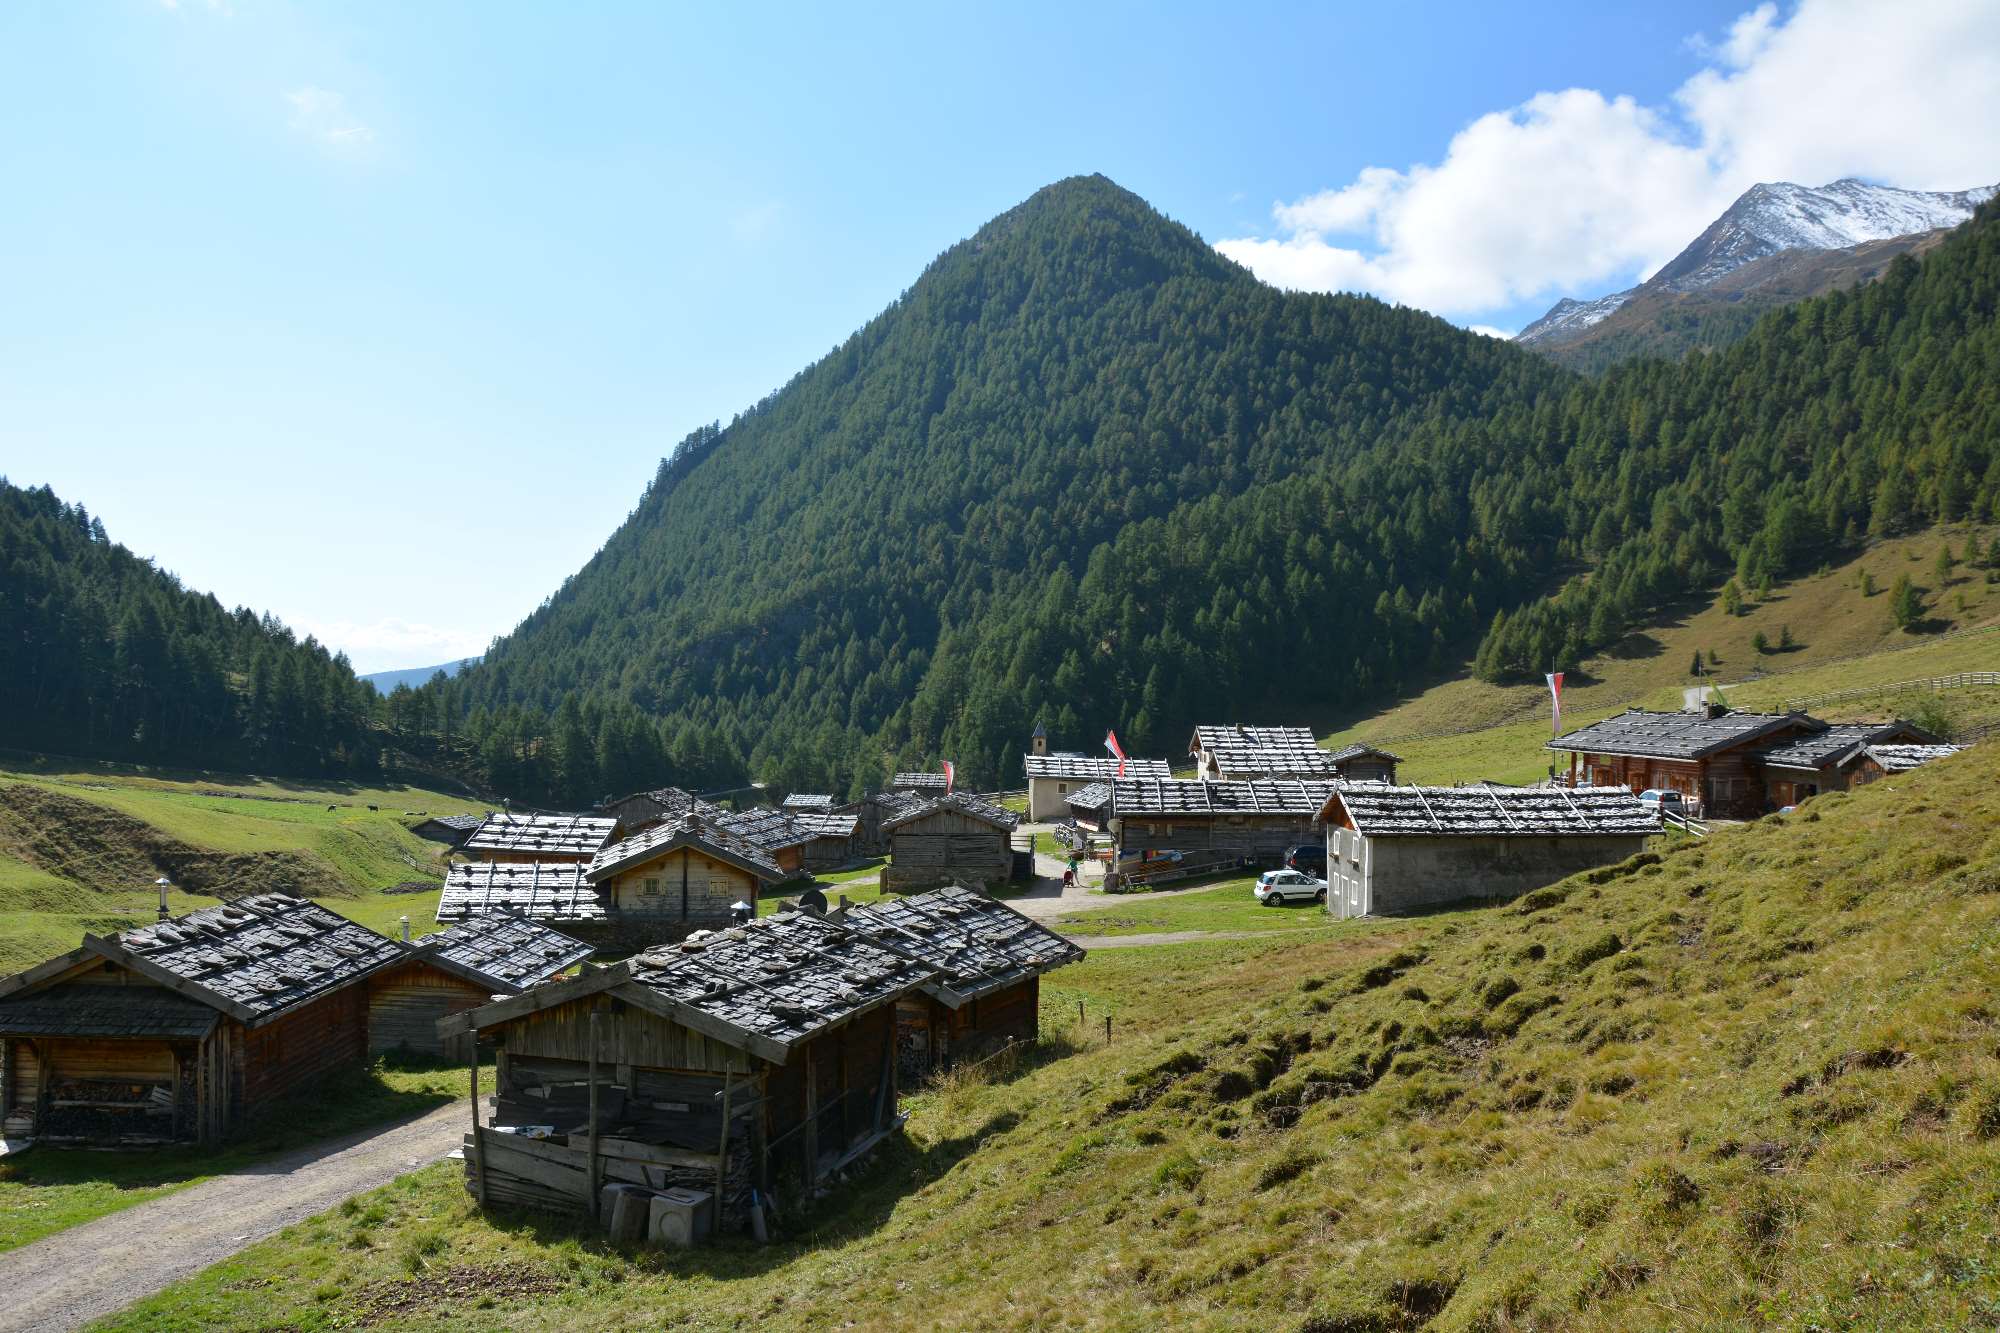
{"points": [[406, 927], [164, 884]]}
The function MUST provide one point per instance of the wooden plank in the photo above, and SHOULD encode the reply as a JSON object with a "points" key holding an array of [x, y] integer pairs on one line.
{"points": [[633, 1151], [591, 1172]]}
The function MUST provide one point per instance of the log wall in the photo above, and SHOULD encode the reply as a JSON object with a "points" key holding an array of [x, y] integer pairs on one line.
{"points": [[316, 1040], [405, 1003], [947, 847]]}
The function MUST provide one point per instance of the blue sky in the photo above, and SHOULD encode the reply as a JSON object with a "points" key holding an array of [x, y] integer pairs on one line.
{"points": [[380, 316]]}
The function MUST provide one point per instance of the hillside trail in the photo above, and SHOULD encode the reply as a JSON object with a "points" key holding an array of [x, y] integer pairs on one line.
{"points": [[73, 1277]]}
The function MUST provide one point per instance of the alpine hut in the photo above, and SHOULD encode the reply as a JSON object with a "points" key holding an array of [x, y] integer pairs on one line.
{"points": [[470, 964], [1397, 849], [1236, 753], [506, 836], [951, 839]]}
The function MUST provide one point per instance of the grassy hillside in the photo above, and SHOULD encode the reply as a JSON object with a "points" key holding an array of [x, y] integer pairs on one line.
{"points": [[1844, 638], [80, 847], [1751, 1081]]}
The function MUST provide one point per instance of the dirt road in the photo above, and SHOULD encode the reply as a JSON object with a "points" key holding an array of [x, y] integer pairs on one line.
{"points": [[99, 1268]]}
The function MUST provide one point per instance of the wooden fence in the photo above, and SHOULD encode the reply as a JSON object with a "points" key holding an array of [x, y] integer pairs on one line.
{"points": [[1960, 680]]}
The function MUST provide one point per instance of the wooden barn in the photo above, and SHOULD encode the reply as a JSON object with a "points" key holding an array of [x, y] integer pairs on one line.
{"points": [[1090, 807], [641, 808], [673, 878], [187, 1028], [524, 838], [1837, 759], [448, 829], [1885, 761], [1223, 822], [1235, 753], [869, 812], [1364, 763], [987, 962], [1711, 756], [1399, 849], [472, 963], [955, 839], [1053, 778], [755, 1058]]}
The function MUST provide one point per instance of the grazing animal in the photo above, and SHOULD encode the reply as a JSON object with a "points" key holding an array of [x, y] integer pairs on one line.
{"points": [[331, 808]]}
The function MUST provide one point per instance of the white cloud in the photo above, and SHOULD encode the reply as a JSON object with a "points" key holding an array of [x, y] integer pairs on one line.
{"points": [[1580, 192], [393, 643], [1488, 331], [323, 117]]}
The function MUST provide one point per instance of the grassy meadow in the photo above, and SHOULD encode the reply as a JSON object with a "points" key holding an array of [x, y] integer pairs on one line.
{"points": [[1748, 1081]]}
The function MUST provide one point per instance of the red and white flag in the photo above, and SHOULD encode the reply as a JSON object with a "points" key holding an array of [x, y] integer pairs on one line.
{"points": [[1111, 744], [949, 776], [1555, 679]]}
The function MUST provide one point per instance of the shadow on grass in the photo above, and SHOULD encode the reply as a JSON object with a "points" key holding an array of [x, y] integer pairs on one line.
{"points": [[339, 1112]]}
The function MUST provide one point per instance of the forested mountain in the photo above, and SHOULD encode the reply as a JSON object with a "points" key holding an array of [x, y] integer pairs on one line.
{"points": [[1087, 470], [103, 655]]}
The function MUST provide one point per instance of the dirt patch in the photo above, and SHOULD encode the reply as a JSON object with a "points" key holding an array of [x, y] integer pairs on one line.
{"points": [[458, 1285], [94, 845]]}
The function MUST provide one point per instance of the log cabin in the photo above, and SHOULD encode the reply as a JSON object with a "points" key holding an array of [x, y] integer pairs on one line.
{"points": [[955, 839], [1235, 753], [1710, 755], [1886, 761], [642, 808], [506, 836], [987, 962], [1223, 822], [187, 1028], [1364, 763], [869, 812], [472, 963], [757, 1057], [1401, 849], [1052, 778], [671, 879]]}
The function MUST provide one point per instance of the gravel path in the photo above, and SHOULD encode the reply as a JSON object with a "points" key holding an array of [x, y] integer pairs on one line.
{"points": [[66, 1280], [1049, 900]]}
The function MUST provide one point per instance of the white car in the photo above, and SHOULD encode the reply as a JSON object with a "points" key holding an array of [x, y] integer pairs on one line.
{"points": [[1275, 888], [1663, 801]]}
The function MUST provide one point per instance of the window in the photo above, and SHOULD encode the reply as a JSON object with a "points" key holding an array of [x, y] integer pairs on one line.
{"points": [[650, 886]]}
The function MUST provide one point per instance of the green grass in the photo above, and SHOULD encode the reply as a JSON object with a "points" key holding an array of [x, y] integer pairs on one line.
{"points": [[859, 884], [1751, 1082], [47, 1190], [1225, 906]]}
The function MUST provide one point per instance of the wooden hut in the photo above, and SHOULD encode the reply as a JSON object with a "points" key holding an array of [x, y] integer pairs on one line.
{"points": [[1052, 778], [805, 800], [1396, 849], [187, 1028], [952, 839], [673, 878], [525, 838], [753, 1058], [552, 892], [1883, 761], [1090, 808], [642, 808], [869, 812], [482, 957], [987, 961], [452, 830], [1711, 756], [1364, 763], [1836, 759], [1219, 822], [1236, 753]]}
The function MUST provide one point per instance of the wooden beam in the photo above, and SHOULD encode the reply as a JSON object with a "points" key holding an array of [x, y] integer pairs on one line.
{"points": [[478, 1152], [173, 981], [722, 1153], [590, 1171], [532, 1001], [48, 971]]}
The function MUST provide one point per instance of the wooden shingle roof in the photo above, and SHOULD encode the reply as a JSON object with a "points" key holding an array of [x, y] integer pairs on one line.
{"points": [[959, 803], [1287, 751], [1678, 735], [538, 890], [1837, 744], [1091, 768], [973, 943], [502, 951], [580, 836], [253, 958], [1144, 797], [1378, 810], [669, 835]]}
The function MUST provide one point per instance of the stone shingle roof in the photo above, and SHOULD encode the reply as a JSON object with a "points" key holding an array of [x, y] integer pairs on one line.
{"points": [[580, 836], [1379, 810], [1287, 751], [802, 800], [780, 979], [1348, 752], [1677, 735], [1836, 744], [975, 944], [503, 951], [668, 835], [538, 890], [255, 957], [76, 1010], [764, 826], [998, 816], [1903, 758], [918, 781], [1091, 768], [1144, 797], [1095, 797], [826, 824]]}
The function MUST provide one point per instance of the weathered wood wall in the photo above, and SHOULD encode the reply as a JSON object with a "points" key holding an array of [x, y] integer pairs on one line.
{"points": [[947, 847], [626, 1036], [1263, 838], [405, 1003], [312, 1042], [681, 891]]}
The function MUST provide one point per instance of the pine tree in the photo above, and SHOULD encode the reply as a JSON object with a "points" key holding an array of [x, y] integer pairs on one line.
{"points": [[1906, 609]]}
